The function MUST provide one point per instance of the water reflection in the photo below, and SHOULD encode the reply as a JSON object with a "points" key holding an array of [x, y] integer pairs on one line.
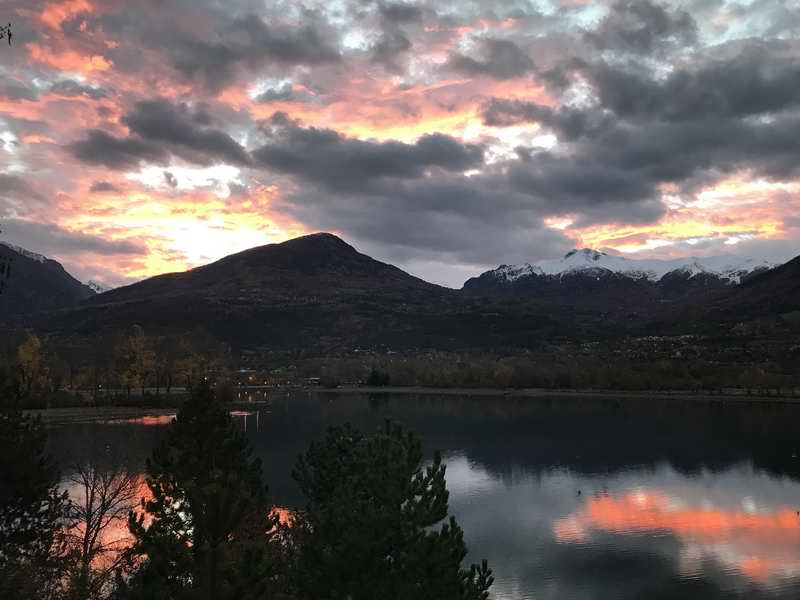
{"points": [[579, 499], [144, 420]]}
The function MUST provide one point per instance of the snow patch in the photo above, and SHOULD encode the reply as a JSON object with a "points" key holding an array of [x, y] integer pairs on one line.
{"points": [[594, 263], [97, 288], [26, 253]]}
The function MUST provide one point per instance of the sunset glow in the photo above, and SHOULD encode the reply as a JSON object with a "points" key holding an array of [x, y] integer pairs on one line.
{"points": [[149, 149]]}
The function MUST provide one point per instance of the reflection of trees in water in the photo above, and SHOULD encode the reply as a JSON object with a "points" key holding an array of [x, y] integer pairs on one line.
{"points": [[508, 436], [502, 434], [100, 498]]}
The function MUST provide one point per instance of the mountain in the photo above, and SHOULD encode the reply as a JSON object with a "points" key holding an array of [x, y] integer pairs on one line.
{"points": [[36, 283], [775, 292], [616, 284], [316, 292], [98, 288], [311, 291], [730, 269]]}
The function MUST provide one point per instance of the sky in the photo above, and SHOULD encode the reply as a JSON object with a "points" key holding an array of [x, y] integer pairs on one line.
{"points": [[446, 137]]}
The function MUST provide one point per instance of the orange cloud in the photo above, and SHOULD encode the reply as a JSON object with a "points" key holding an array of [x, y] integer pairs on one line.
{"points": [[56, 13], [761, 544], [68, 60]]}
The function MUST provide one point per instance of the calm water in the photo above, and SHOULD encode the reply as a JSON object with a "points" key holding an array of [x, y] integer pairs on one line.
{"points": [[569, 499]]}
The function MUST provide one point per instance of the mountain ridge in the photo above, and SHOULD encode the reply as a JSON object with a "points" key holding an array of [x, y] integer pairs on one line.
{"points": [[727, 267], [318, 291], [37, 283]]}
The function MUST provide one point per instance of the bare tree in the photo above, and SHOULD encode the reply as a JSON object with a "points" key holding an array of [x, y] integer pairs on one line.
{"points": [[100, 500]]}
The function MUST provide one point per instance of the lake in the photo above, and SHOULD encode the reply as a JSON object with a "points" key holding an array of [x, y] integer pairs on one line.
{"points": [[567, 498]]}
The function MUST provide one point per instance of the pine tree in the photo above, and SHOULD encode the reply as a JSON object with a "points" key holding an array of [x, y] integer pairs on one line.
{"points": [[369, 529], [207, 531], [31, 510]]}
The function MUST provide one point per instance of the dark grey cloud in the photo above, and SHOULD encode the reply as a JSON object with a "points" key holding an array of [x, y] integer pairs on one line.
{"points": [[390, 49], [18, 188], [248, 42], [757, 80], [55, 241], [325, 157], [400, 12], [393, 44], [643, 27], [281, 92], [100, 148], [70, 88], [16, 91], [185, 131], [569, 123], [502, 59], [103, 186], [170, 179], [615, 174], [452, 219]]}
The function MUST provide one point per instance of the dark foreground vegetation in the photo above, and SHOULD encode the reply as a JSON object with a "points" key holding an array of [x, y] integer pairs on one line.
{"points": [[201, 525]]}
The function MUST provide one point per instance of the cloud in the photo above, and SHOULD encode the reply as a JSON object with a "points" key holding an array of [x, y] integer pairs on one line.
{"points": [[160, 129], [248, 42], [503, 59], [17, 188], [391, 46], [16, 91], [100, 148], [54, 241], [400, 12], [103, 186], [185, 131], [643, 27], [641, 106], [425, 224], [756, 80], [569, 123], [170, 179], [325, 157], [282, 92], [70, 88]]}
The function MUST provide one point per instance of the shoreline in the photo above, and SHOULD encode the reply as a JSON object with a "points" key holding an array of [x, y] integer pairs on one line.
{"points": [[683, 395], [90, 414]]}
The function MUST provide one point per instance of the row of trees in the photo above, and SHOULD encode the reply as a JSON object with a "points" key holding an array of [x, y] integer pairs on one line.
{"points": [[553, 371], [374, 524], [40, 372]]}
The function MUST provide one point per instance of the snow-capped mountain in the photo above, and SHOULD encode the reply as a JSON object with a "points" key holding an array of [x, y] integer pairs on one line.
{"points": [[40, 258], [731, 269], [615, 284], [98, 288], [37, 283]]}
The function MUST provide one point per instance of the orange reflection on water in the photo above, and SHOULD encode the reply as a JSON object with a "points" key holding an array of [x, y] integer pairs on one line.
{"points": [[758, 544], [146, 420]]}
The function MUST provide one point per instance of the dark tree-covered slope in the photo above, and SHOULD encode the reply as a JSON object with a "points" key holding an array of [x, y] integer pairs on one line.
{"points": [[36, 283]]}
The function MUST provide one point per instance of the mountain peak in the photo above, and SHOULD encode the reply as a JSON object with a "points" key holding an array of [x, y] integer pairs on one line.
{"points": [[586, 253], [728, 269], [321, 239]]}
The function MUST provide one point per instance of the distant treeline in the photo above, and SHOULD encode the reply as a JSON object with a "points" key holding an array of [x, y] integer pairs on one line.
{"points": [[128, 368], [559, 372], [135, 369]]}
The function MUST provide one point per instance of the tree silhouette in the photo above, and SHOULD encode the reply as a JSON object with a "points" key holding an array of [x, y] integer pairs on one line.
{"points": [[369, 529], [31, 510], [97, 539], [207, 531]]}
